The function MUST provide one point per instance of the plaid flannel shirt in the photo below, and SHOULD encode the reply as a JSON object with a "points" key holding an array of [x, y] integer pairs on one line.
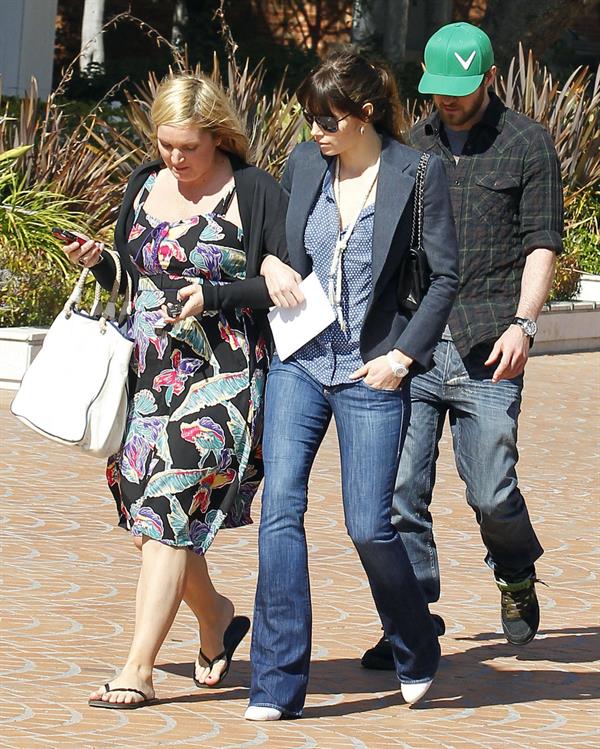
{"points": [[507, 200]]}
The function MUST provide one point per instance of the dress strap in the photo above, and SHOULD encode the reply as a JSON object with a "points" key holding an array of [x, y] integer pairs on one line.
{"points": [[223, 205], [140, 198]]}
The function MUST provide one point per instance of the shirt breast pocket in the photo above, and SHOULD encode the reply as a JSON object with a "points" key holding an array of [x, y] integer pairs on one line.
{"points": [[496, 196]]}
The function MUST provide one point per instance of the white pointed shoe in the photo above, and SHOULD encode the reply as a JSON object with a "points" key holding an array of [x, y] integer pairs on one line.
{"points": [[414, 692], [255, 712]]}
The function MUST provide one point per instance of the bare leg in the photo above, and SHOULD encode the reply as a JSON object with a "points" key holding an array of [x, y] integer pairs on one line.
{"points": [[160, 590], [213, 612]]}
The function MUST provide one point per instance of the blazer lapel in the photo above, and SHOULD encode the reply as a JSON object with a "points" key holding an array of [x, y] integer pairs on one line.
{"points": [[393, 191], [307, 180]]}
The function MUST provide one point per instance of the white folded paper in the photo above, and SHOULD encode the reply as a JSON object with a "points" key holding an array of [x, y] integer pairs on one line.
{"points": [[292, 328]]}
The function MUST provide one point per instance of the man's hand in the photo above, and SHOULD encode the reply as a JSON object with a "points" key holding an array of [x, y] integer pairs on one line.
{"points": [[282, 282], [377, 374], [512, 348]]}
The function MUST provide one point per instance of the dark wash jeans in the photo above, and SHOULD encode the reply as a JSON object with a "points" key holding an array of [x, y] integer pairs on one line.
{"points": [[370, 425], [483, 421]]}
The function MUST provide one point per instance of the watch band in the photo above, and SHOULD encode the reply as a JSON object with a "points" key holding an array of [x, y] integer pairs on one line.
{"points": [[398, 369], [529, 327]]}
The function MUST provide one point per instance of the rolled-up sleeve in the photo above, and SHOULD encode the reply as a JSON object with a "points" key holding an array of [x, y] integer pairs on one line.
{"points": [[541, 208]]}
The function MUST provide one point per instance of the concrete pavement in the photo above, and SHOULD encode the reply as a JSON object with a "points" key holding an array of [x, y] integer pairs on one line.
{"points": [[69, 579]]}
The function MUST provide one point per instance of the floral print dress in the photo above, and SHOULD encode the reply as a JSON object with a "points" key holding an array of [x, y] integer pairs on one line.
{"points": [[190, 460]]}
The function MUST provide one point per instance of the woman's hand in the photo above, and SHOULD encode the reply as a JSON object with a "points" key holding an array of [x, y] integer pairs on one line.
{"points": [[282, 282], [378, 374], [86, 255], [193, 303]]}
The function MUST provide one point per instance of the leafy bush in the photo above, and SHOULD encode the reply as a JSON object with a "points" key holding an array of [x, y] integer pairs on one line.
{"points": [[34, 288], [82, 158], [588, 258], [583, 232], [582, 245], [70, 169], [566, 279], [36, 278], [27, 215], [57, 168], [72, 165]]}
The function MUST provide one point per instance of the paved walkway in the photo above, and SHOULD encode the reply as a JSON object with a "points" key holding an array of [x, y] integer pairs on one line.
{"points": [[69, 578]]}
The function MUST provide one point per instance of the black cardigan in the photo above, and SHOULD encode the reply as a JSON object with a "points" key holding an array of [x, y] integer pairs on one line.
{"points": [[262, 204]]}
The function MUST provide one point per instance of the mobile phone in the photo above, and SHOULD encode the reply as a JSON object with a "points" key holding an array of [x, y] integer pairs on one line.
{"points": [[67, 236], [174, 308]]}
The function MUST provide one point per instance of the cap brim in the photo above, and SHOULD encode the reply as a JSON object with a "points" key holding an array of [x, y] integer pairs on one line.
{"points": [[447, 85]]}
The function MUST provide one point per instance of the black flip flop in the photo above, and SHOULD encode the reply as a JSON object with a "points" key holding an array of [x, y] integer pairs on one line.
{"points": [[233, 635], [122, 705]]}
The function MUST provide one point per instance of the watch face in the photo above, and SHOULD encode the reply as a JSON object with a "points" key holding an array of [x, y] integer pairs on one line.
{"points": [[529, 327]]}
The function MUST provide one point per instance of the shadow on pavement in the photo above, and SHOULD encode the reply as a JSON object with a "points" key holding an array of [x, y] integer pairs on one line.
{"points": [[465, 680]]}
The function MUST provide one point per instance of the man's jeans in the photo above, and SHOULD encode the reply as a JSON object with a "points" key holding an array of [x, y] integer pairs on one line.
{"points": [[370, 425], [483, 421]]}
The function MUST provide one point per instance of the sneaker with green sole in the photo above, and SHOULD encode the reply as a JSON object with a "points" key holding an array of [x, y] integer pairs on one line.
{"points": [[520, 610]]}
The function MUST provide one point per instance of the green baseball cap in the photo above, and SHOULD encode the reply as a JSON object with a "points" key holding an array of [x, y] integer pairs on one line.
{"points": [[456, 59]]}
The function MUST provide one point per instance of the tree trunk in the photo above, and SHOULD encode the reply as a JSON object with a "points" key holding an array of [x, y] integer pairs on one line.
{"points": [[364, 26], [438, 13], [381, 25], [92, 43], [180, 23], [395, 31], [538, 25]]}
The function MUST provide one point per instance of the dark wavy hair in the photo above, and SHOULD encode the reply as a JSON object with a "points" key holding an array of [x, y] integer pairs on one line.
{"points": [[347, 81]]}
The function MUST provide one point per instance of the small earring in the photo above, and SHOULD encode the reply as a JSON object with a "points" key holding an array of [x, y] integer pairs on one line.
{"points": [[362, 129]]}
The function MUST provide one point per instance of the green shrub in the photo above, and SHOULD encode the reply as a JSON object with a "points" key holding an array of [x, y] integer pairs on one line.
{"points": [[582, 245], [566, 278], [34, 288], [36, 277], [78, 155], [74, 164], [583, 232]]}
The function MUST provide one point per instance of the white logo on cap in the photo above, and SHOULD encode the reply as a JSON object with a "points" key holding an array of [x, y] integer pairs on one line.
{"points": [[466, 63]]}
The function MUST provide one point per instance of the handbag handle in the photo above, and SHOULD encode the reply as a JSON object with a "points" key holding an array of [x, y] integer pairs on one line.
{"points": [[109, 311], [127, 296], [416, 238], [127, 299]]}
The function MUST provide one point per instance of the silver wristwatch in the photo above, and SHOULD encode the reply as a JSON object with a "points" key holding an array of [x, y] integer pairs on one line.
{"points": [[399, 370], [528, 326]]}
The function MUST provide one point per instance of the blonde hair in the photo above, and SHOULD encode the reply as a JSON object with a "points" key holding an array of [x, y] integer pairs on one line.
{"points": [[186, 100]]}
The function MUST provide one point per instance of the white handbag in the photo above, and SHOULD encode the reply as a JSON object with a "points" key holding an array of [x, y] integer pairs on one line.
{"points": [[75, 391]]}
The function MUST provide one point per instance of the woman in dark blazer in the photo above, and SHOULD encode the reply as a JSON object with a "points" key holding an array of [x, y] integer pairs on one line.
{"points": [[349, 220]]}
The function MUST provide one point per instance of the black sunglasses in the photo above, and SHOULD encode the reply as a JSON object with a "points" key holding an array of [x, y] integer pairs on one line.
{"points": [[327, 123]]}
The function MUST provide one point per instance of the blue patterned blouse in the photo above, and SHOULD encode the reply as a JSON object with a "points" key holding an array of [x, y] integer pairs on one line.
{"points": [[334, 354]]}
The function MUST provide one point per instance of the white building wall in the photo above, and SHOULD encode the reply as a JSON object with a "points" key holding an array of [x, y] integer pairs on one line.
{"points": [[27, 44]]}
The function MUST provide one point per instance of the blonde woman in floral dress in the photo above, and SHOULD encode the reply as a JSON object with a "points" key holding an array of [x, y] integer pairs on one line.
{"points": [[193, 230]]}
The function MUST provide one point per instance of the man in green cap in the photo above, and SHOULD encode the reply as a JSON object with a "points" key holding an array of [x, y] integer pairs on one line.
{"points": [[505, 184]]}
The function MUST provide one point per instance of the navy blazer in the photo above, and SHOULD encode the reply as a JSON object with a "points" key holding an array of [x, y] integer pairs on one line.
{"points": [[386, 326]]}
